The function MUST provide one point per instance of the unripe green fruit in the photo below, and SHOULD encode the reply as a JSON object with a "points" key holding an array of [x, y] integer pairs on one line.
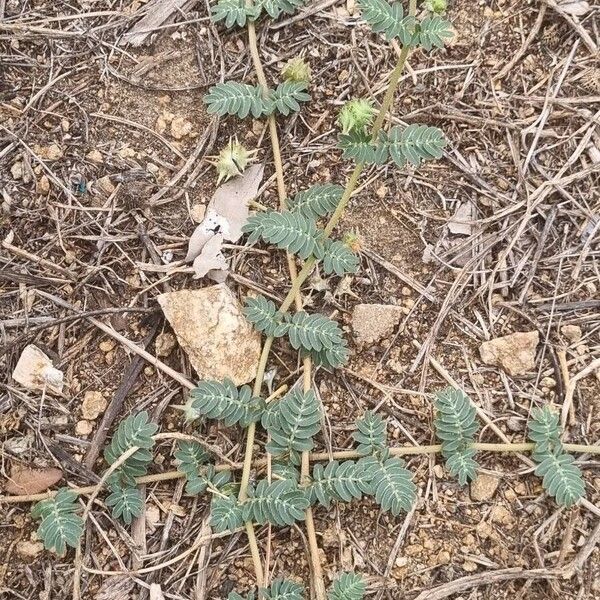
{"points": [[356, 115], [296, 69], [436, 6]]}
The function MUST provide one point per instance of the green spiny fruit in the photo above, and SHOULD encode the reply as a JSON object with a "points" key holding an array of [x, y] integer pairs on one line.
{"points": [[296, 69], [232, 160], [356, 115]]}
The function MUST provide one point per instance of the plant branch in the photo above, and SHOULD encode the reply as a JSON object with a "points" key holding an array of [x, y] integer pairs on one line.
{"points": [[282, 194], [315, 457]]}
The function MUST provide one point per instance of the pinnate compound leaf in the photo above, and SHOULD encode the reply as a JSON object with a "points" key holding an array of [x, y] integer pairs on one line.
{"points": [[331, 358], [287, 96], [280, 503], [544, 431], [338, 481], [370, 433], [348, 586], [282, 589], [225, 514], [456, 425], [126, 503], [317, 201], [358, 146], [414, 144], [233, 12], [433, 31], [236, 596], [274, 8], [313, 332], [289, 231], [192, 459], [389, 20], [61, 526], [295, 420], [462, 465], [263, 314], [562, 478], [239, 99], [338, 258], [135, 430], [391, 483], [285, 470], [225, 402]]}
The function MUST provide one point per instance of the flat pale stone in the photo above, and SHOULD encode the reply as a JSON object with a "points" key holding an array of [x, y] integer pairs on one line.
{"points": [[484, 487], [515, 353], [374, 322], [35, 371], [211, 328]]}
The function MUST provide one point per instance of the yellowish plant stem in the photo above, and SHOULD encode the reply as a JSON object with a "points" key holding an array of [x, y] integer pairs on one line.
{"points": [[282, 195], [317, 457]]}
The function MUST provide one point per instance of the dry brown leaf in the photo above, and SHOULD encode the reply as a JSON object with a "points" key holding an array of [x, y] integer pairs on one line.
{"points": [[211, 261], [575, 8], [156, 592], [115, 587], [227, 212], [212, 224], [25, 480], [461, 222], [231, 200]]}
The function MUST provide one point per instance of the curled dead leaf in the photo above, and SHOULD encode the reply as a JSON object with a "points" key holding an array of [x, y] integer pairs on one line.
{"points": [[226, 214], [26, 480], [575, 8], [211, 261], [231, 200]]}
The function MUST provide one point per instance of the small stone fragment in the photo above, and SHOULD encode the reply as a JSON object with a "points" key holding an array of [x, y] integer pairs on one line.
{"points": [[213, 331], [484, 487], [51, 152], [501, 515], [373, 322], [43, 185], [571, 332], [469, 566], [35, 371], [105, 185], [515, 353], [95, 156], [484, 530], [94, 404], [165, 342], [29, 550], [17, 170], [180, 127], [161, 125], [83, 428], [107, 345]]}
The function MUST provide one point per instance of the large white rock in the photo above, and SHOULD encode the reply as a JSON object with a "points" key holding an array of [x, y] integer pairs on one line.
{"points": [[211, 328]]}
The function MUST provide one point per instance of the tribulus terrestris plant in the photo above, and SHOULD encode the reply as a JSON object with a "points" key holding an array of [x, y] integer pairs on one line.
{"points": [[302, 227]]}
